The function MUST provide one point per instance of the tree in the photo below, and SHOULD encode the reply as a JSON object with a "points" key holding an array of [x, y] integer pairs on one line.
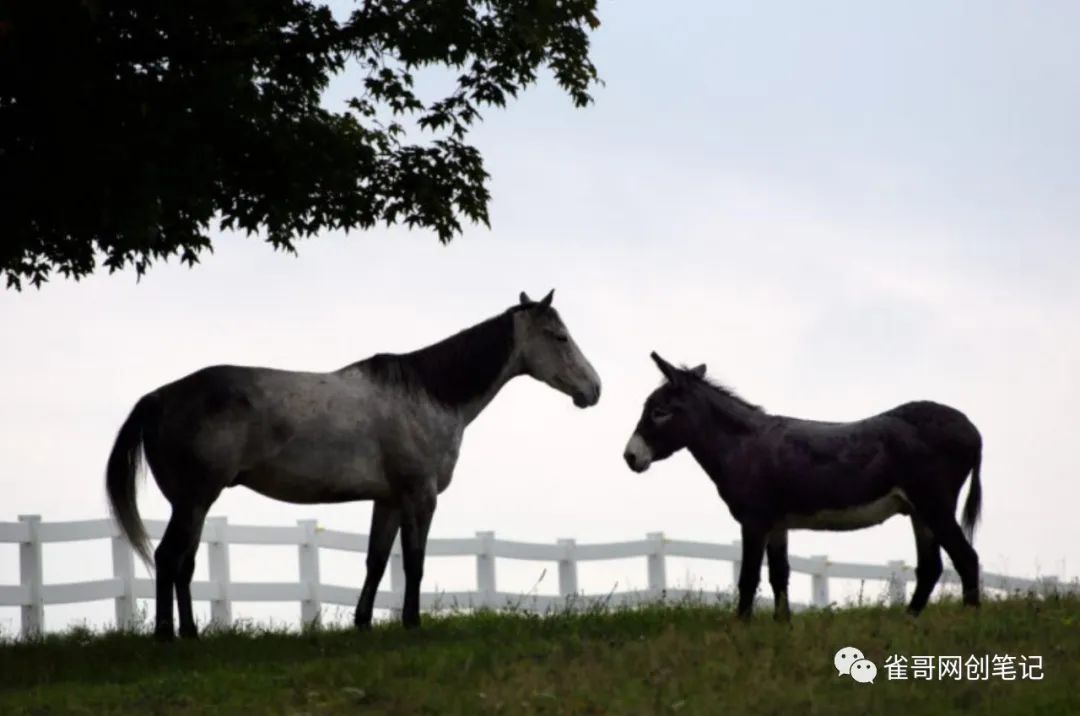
{"points": [[127, 127]]}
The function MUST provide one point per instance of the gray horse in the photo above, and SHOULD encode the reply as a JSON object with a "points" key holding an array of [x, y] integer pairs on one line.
{"points": [[386, 429], [778, 473]]}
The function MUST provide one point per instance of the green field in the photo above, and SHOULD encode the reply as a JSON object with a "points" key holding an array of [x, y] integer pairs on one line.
{"points": [[682, 659]]}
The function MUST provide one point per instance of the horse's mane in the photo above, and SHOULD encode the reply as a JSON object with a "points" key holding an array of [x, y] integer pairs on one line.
{"points": [[453, 371]]}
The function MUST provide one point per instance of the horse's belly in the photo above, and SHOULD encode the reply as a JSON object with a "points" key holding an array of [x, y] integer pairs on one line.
{"points": [[356, 479], [854, 517]]}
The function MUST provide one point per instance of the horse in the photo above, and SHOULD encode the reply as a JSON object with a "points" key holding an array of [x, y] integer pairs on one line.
{"points": [[779, 473], [386, 429]]}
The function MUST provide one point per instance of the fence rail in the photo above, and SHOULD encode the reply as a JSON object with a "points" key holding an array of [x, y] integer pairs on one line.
{"points": [[32, 594]]}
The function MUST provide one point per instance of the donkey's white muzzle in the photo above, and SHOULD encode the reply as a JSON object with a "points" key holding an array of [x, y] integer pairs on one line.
{"points": [[638, 456]]}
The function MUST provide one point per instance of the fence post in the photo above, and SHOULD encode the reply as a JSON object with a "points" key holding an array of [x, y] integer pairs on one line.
{"points": [[33, 614], [397, 576], [123, 564], [485, 568], [736, 568], [311, 605], [568, 587], [657, 563], [897, 583], [819, 582], [218, 548]]}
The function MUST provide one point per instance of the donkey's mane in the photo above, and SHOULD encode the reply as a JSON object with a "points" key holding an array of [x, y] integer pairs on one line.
{"points": [[453, 371], [722, 399]]}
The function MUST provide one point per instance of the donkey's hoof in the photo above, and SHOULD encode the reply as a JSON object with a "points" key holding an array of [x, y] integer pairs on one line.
{"points": [[192, 633], [362, 627], [164, 635]]}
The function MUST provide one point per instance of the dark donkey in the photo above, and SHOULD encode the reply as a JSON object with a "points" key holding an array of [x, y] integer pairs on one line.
{"points": [[386, 429], [778, 473]]}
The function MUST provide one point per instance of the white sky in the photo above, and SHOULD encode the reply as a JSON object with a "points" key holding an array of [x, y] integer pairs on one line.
{"points": [[838, 208]]}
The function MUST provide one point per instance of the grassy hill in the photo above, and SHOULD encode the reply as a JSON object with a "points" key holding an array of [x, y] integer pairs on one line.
{"points": [[682, 659]]}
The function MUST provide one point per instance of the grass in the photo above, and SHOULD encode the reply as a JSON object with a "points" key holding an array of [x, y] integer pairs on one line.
{"points": [[677, 659]]}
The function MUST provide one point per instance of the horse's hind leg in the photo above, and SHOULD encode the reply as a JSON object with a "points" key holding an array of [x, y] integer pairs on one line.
{"points": [[188, 630], [779, 572], [183, 595], [929, 566], [174, 561]]}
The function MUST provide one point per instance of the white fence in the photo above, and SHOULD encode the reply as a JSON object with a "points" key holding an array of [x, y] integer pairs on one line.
{"points": [[31, 594]]}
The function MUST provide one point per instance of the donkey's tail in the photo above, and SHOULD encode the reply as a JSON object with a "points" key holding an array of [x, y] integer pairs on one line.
{"points": [[973, 504], [125, 462]]}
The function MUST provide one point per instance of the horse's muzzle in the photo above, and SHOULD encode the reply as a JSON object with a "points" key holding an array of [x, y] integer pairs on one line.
{"points": [[587, 398]]}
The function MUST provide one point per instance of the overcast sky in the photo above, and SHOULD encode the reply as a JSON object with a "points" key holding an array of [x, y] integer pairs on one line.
{"points": [[837, 206]]}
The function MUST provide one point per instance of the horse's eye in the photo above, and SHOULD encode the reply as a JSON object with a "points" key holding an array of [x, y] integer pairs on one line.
{"points": [[560, 337]]}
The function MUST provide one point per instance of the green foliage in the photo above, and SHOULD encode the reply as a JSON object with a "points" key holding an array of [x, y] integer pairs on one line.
{"points": [[127, 127], [686, 659]]}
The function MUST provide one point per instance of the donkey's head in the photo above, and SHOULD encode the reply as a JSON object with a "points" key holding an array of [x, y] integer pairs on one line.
{"points": [[665, 422], [549, 354]]}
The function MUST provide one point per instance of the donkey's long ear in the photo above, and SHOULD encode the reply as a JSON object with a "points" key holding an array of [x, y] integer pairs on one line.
{"points": [[546, 300], [699, 371], [525, 300], [669, 371]]}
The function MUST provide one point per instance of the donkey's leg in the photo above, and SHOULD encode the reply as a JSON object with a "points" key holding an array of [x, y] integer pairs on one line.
{"points": [[962, 554], [929, 567], [188, 630], [417, 509], [754, 537], [385, 521], [779, 572]]}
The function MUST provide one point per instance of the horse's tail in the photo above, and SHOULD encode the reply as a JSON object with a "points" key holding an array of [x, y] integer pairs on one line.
{"points": [[125, 462], [973, 504]]}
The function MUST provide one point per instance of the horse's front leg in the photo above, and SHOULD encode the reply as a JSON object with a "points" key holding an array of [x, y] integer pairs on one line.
{"points": [[385, 520], [754, 537], [417, 509], [779, 572]]}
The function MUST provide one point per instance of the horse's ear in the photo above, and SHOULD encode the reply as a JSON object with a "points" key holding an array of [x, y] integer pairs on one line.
{"points": [[525, 300], [546, 300], [699, 371], [666, 368]]}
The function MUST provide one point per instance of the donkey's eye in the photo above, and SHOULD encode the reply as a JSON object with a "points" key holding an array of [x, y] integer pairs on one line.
{"points": [[660, 415]]}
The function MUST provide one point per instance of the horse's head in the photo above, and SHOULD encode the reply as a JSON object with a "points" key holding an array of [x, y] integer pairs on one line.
{"points": [[665, 419], [549, 354]]}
